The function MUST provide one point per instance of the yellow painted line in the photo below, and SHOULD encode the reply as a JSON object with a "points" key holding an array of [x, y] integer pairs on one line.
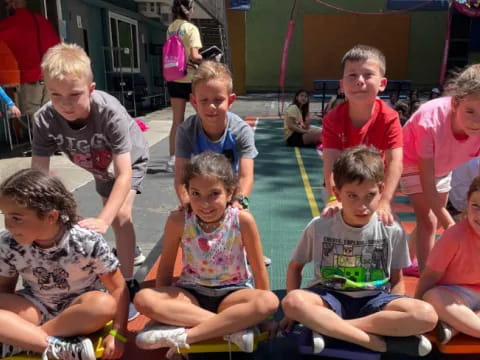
{"points": [[306, 184]]}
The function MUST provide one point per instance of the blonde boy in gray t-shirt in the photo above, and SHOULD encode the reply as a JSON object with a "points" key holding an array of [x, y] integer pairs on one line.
{"points": [[94, 130], [357, 294]]}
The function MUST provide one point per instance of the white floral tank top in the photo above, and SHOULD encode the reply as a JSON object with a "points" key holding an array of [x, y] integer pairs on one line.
{"points": [[217, 258]]}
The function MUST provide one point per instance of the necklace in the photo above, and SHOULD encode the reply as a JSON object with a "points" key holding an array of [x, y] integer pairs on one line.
{"points": [[208, 227]]}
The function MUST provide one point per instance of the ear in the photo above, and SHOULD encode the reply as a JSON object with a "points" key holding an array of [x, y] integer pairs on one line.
{"points": [[336, 192], [193, 101], [230, 195], [231, 99], [52, 217], [91, 87], [383, 84], [340, 84], [455, 104], [381, 187]]}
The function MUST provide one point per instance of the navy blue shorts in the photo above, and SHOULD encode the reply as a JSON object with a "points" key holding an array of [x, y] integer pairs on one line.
{"points": [[210, 298], [348, 307]]}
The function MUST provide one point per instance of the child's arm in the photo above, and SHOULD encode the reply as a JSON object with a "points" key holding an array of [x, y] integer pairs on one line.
{"points": [[292, 125], [7, 284], [171, 242], [396, 282], [428, 279], [329, 157], [123, 181], [180, 188], [294, 275], [427, 179], [245, 179], [116, 286], [253, 246], [394, 159], [40, 163]]}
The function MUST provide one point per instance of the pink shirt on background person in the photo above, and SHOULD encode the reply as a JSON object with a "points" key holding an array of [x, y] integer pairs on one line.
{"points": [[428, 134], [456, 255]]}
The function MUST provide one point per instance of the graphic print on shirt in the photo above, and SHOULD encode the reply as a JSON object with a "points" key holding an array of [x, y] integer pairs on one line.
{"points": [[352, 265], [51, 279], [227, 146]]}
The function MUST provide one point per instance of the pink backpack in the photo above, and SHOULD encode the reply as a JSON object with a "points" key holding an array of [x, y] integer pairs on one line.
{"points": [[174, 59]]}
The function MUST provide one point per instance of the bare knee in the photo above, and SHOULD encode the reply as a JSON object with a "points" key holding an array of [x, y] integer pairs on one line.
{"points": [[424, 315], [144, 301], [293, 302], [266, 302]]}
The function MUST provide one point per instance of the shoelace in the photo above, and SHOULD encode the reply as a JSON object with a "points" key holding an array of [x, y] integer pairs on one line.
{"points": [[55, 349]]}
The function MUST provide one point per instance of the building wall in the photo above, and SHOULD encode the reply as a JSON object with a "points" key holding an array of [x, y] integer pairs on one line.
{"points": [[266, 26]]}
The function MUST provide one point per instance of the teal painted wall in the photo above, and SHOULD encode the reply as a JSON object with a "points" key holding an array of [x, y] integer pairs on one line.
{"points": [[266, 27]]}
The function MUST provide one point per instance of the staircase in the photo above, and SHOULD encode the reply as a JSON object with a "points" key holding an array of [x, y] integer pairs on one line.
{"points": [[213, 33]]}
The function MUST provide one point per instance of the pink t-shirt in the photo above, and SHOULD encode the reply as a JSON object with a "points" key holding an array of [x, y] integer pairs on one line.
{"points": [[428, 134], [456, 255]]}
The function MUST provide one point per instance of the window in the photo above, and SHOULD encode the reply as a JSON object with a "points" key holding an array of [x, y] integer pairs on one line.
{"points": [[124, 43], [405, 4]]}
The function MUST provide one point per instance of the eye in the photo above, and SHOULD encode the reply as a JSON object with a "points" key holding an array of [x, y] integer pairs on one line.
{"points": [[352, 196], [194, 193], [17, 219]]}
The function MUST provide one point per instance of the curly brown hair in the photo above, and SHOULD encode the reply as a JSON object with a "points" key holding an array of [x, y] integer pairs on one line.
{"points": [[42, 193]]}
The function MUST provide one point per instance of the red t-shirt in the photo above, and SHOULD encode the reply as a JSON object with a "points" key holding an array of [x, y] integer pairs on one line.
{"points": [[383, 130], [20, 33]]}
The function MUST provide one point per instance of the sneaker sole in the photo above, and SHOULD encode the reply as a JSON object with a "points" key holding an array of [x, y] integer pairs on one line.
{"points": [[139, 260], [89, 350]]}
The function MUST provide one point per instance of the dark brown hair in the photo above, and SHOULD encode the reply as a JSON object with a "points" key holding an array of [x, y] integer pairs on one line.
{"points": [[304, 109], [474, 186], [211, 164], [358, 164], [42, 193], [180, 8]]}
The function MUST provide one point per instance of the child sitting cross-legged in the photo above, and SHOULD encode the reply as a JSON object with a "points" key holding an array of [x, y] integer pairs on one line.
{"points": [[451, 281], [214, 295], [357, 293], [65, 270]]}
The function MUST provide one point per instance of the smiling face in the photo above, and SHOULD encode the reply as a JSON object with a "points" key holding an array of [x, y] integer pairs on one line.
{"points": [[26, 226], [208, 197], [359, 201], [466, 115], [71, 96], [212, 101], [362, 80]]}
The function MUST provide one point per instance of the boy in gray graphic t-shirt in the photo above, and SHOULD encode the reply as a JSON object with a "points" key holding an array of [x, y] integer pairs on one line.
{"points": [[358, 292], [94, 130]]}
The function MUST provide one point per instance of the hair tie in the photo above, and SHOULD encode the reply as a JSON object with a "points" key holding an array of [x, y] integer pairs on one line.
{"points": [[65, 218], [184, 9]]}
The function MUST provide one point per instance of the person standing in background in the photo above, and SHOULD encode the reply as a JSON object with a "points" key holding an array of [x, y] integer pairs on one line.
{"points": [[179, 90], [29, 36]]}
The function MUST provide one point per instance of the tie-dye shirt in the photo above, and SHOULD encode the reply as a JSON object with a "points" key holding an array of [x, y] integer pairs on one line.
{"points": [[217, 258], [58, 275]]}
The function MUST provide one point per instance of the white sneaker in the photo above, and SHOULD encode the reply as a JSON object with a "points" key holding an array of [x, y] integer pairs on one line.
{"points": [[156, 336], [244, 339], [8, 350], [318, 342], [171, 164], [78, 348], [139, 258]]}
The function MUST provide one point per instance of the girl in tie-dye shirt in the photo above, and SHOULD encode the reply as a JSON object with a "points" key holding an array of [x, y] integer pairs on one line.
{"points": [[214, 295]]}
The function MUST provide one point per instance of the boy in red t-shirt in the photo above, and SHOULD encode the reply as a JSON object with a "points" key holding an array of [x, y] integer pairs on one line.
{"points": [[363, 119]]}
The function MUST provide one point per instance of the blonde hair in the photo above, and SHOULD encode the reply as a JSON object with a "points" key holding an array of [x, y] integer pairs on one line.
{"points": [[364, 53], [63, 60], [209, 70], [465, 83]]}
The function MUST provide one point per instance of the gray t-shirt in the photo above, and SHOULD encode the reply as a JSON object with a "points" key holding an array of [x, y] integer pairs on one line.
{"points": [[236, 142], [57, 275], [354, 261], [109, 130]]}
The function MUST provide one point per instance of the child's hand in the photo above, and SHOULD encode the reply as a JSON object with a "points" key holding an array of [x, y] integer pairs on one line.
{"points": [[384, 213], [16, 113], [271, 326], [286, 324], [114, 348], [331, 208], [94, 224]]}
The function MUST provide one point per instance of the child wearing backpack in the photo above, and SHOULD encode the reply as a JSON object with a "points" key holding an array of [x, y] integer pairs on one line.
{"points": [[180, 88]]}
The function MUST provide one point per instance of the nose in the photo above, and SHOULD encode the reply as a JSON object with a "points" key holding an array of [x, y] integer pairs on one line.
{"points": [[360, 80]]}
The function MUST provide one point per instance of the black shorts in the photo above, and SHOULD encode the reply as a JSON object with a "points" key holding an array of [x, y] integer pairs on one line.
{"points": [[179, 90], [296, 139]]}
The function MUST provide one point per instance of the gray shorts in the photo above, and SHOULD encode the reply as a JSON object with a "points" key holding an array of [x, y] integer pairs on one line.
{"points": [[471, 298], [139, 170], [47, 310]]}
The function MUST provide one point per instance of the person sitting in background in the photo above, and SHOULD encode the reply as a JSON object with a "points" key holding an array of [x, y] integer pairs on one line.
{"points": [[435, 93], [296, 123], [335, 100]]}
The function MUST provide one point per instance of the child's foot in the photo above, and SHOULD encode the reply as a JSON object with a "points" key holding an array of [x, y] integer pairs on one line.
{"points": [[139, 258], [78, 348], [244, 339], [155, 336], [132, 311], [318, 342], [415, 345], [444, 332], [412, 270]]}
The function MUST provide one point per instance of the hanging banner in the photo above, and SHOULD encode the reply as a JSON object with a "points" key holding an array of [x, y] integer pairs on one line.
{"points": [[468, 7], [240, 5]]}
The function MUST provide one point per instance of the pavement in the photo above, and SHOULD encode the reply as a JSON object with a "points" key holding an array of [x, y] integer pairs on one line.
{"points": [[158, 198]]}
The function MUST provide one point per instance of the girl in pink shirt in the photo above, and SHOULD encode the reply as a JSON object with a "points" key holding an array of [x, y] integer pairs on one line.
{"points": [[451, 279], [441, 135]]}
